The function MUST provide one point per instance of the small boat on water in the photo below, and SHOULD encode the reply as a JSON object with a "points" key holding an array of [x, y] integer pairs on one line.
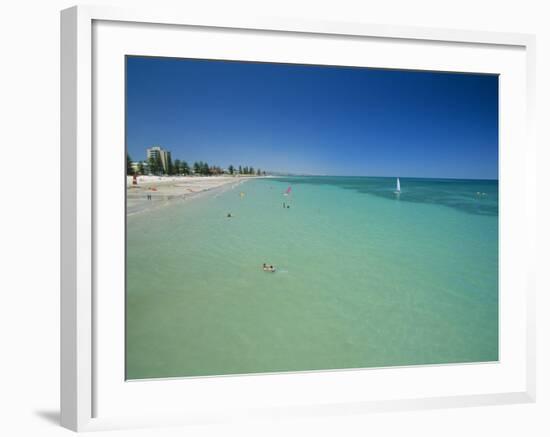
{"points": [[398, 187]]}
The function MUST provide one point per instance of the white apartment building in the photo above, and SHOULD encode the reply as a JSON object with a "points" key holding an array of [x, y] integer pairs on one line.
{"points": [[153, 152]]}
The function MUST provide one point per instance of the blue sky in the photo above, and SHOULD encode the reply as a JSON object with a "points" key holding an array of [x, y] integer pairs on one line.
{"points": [[314, 119]]}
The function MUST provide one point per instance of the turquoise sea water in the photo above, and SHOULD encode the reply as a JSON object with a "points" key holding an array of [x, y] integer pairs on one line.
{"points": [[365, 278]]}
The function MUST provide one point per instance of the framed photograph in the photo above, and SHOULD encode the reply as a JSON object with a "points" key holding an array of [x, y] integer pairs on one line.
{"points": [[265, 218]]}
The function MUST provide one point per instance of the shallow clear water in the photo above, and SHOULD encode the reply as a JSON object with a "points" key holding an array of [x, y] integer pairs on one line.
{"points": [[364, 277]]}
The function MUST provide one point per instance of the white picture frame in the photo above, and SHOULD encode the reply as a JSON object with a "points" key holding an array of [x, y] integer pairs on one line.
{"points": [[84, 378]]}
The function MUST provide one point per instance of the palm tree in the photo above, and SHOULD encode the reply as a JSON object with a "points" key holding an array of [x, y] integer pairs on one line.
{"points": [[185, 168], [169, 166], [177, 166], [152, 164], [231, 169], [158, 165], [129, 168]]}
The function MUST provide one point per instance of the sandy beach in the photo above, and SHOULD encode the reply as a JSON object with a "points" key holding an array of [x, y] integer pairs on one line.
{"points": [[156, 191]]}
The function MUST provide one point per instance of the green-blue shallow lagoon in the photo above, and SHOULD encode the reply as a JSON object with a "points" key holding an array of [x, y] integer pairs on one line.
{"points": [[364, 277]]}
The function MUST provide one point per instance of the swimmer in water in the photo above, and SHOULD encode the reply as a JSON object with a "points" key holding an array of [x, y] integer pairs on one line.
{"points": [[267, 268], [229, 215]]}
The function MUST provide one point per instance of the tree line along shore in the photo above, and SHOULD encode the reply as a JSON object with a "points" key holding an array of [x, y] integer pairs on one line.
{"points": [[155, 166]]}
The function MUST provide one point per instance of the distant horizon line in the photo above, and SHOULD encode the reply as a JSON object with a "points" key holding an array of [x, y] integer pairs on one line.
{"points": [[282, 174]]}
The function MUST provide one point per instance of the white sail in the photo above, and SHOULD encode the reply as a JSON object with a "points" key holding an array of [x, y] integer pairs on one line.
{"points": [[398, 188]]}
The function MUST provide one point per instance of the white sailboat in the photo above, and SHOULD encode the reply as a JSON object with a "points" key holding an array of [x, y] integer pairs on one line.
{"points": [[398, 187]]}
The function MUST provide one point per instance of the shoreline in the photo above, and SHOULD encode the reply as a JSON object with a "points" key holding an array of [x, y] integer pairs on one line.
{"points": [[152, 192]]}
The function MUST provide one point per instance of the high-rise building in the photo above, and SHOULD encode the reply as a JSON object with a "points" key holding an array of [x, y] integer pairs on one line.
{"points": [[157, 151]]}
